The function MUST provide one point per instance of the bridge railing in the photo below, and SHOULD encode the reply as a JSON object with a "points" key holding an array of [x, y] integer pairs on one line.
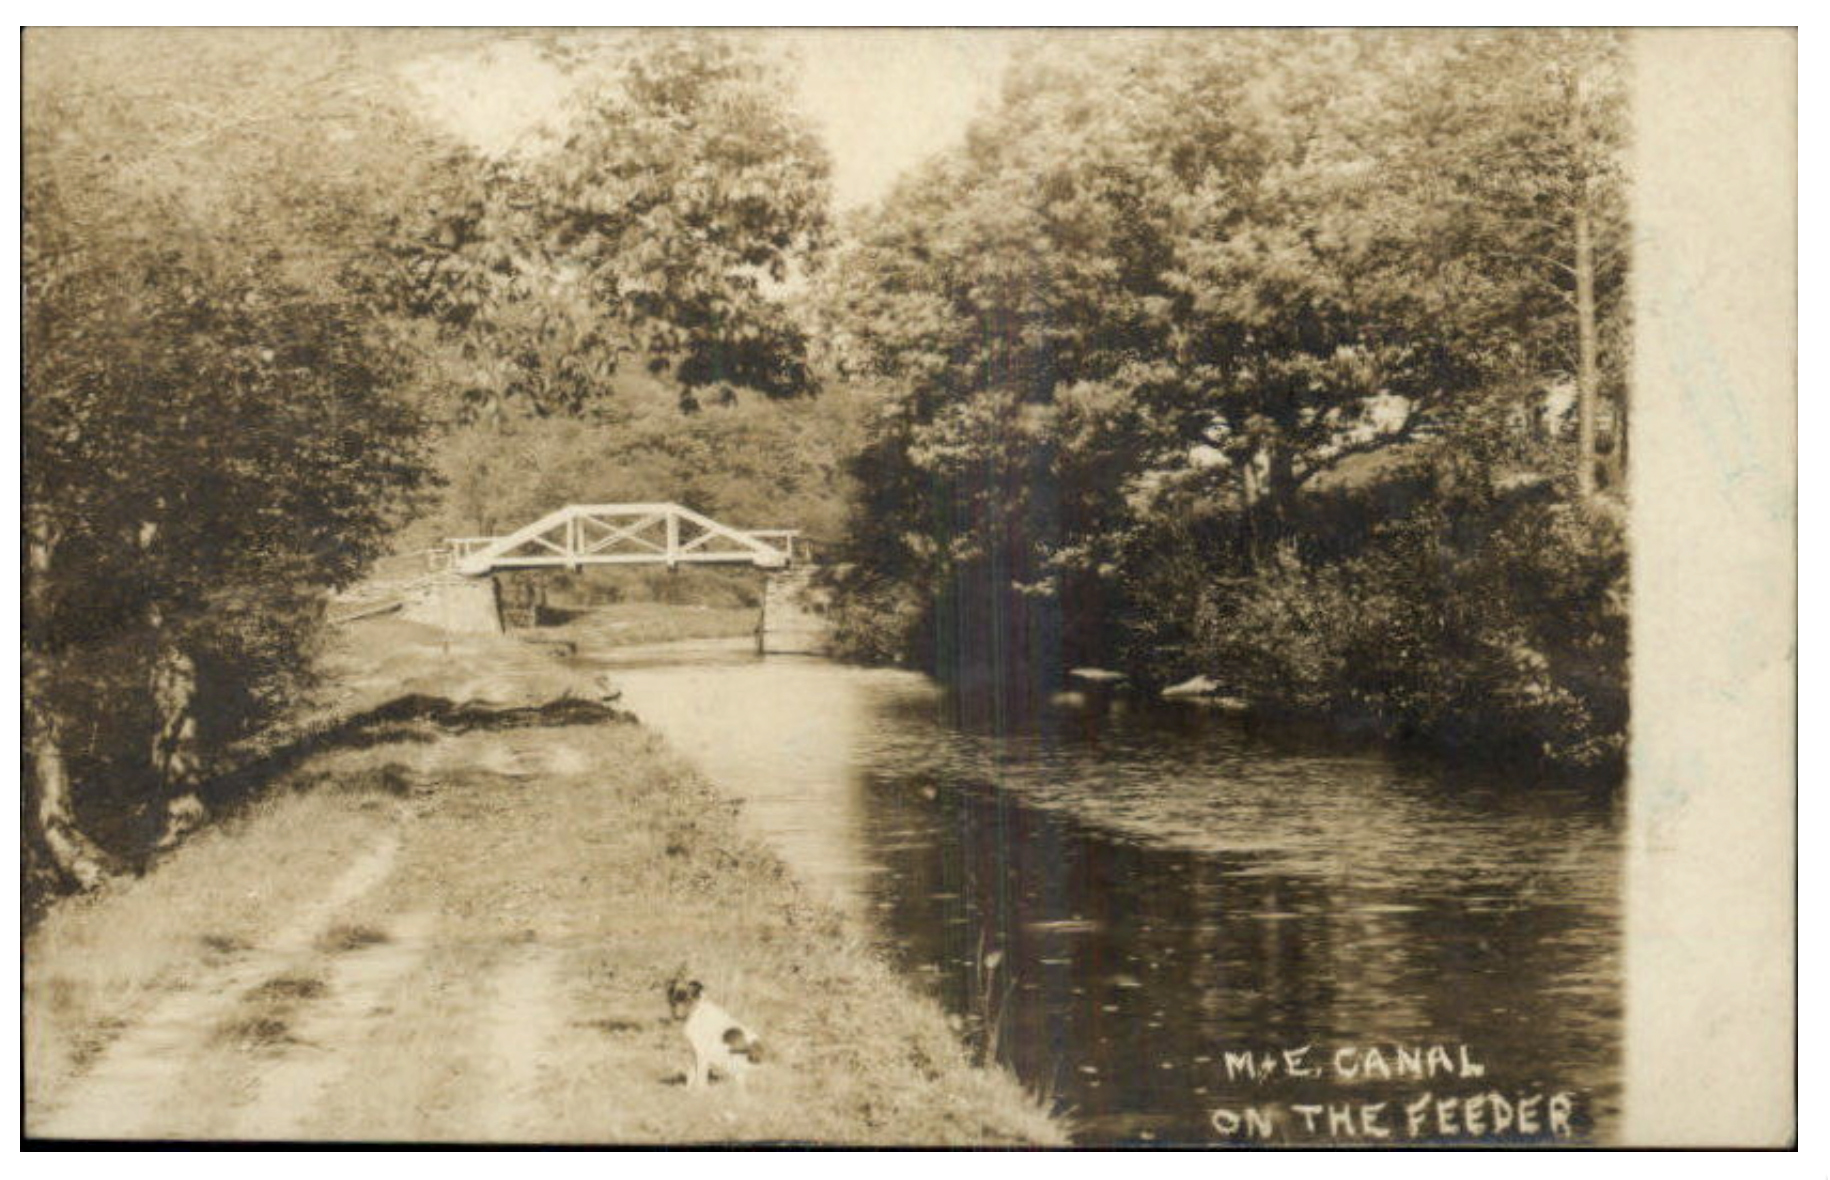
{"points": [[621, 534], [783, 539]]}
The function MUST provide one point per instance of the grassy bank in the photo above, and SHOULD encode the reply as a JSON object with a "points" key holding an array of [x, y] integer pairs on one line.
{"points": [[456, 926]]}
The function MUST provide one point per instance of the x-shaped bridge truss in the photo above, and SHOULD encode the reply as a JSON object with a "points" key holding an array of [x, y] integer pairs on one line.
{"points": [[622, 534]]}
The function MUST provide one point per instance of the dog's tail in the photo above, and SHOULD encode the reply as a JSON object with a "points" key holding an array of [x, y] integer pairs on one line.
{"points": [[744, 1045]]}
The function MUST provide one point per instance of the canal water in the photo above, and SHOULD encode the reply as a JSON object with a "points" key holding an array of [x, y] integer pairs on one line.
{"points": [[1126, 903]]}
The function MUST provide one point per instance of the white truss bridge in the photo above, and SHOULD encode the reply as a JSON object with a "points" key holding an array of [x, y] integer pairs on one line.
{"points": [[579, 535]]}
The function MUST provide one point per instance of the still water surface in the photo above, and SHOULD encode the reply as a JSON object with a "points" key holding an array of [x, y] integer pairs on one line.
{"points": [[1129, 892]]}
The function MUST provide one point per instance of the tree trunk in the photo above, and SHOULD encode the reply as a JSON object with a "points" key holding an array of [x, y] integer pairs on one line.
{"points": [[50, 814], [78, 860], [1617, 455], [1280, 487], [1586, 366], [1251, 492], [1268, 484], [177, 759]]}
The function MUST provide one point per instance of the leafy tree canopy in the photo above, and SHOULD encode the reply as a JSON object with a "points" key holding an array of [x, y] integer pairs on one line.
{"points": [[1174, 287], [214, 424], [658, 222]]}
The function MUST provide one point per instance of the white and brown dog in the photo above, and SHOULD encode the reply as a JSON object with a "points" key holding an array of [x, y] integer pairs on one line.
{"points": [[719, 1042]]}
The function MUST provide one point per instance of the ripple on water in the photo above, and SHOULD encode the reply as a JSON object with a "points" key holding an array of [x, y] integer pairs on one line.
{"points": [[1260, 893]]}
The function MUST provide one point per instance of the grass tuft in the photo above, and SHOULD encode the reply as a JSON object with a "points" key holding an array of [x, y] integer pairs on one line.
{"points": [[257, 1030], [348, 937], [288, 988]]}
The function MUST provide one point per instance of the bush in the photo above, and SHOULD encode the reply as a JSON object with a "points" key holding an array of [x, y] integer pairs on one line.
{"points": [[876, 620], [1479, 623]]}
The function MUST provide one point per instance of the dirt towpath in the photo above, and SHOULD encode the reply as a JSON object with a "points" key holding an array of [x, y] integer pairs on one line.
{"points": [[458, 932]]}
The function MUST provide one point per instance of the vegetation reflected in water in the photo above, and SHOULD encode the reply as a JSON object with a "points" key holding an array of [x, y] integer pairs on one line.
{"points": [[1119, 897]]}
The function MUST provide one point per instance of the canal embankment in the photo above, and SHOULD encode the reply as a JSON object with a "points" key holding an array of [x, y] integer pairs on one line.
{"points": [[454, 921]]}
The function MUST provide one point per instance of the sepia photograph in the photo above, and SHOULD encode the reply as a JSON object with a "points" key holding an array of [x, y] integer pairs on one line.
{"points": [[957, 588]]}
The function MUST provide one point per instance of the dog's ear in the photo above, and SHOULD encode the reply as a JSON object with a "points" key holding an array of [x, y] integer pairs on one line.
{"points": [[695, 987]]}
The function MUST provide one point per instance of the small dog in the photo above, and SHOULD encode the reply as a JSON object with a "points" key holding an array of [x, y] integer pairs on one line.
{"points": [[719, 1042]]}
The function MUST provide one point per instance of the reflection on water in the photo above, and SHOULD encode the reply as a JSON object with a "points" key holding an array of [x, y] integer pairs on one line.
{"points": [[1129, 893]]}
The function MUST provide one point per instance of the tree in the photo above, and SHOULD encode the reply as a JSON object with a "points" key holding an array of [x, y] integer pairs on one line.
{"points": [[1155, 255], [1514, 145], [193, 435], [1179, 299], [211, 427], [659, 225]]}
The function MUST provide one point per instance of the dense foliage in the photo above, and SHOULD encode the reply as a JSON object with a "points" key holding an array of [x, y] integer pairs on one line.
{"points": [[607, 307], [213, 430], [754, 462], [1256, 357], [1295, 360], [652, 224], [270, 302]]}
